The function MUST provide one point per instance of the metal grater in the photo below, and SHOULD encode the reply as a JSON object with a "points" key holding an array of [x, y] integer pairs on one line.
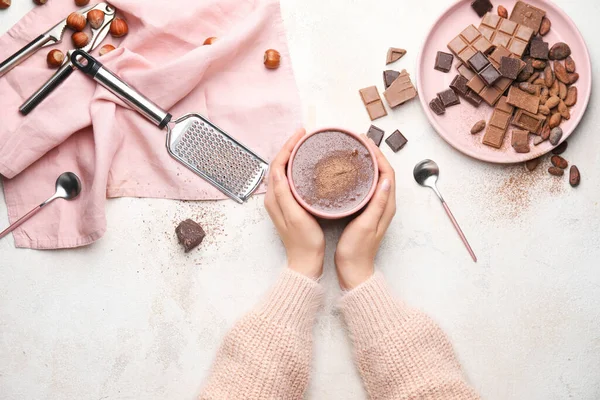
{"points": [[192, 140]]}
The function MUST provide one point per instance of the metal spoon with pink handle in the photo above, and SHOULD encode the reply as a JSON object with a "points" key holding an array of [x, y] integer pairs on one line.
{"points": [[68, 187], [426, 174]]}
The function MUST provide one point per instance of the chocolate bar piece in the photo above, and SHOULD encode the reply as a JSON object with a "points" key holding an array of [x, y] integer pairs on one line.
{"points": [[394, 54], [484, 68], [469, 42], [528, 15], [190, 234], [396, 141], [523, 100], [372, 101], [443, 61], [437, 106], [528, 121], [520, 141], [448, 98], [375, 134], [389, 77], [539, 49], [400, 91], [506, 33], [482, 6], [496, 128], [465, 71], [510, 67], [459, 85]]}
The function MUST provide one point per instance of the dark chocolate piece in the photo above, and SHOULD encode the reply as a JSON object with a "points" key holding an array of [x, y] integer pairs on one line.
{"points": [[482, 6], [478, 62], [473, 98], [372, 101], [389, 77], [469, 42], [396, 141], [459, 85], [490, 75], [375, 134], [539, 49], [510, 67], [503, 32], [528, 15], [443, 61], [400, 91], [449, 98], [437, 106], [190, 234]]}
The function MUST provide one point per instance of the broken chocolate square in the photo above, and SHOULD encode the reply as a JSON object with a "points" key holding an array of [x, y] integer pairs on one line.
{"points": [[520, 141], [396, 141], [459, 85], [190, 234], [528, 15], [490, 75], [394, 54], [510, 67], [375, 134], [478, 62], [372, 101], [437, 106], [482, 6], [448, 98], [389, 77], [400, 91], [443, 61], [539, 49]]}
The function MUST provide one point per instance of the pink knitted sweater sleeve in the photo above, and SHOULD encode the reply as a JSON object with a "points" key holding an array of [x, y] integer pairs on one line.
{"points": [[267, 354], [400, 352]]}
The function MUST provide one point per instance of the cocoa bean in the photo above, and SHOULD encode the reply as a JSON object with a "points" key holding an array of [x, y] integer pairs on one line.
{"points": [[537, 140], [561, 148], [573, 78], [544, 110], [545, 133], [478, 127], [549, 76], [555, 120], [555, 136], [574, 176], [534, 77], [559, 51], [564, 110], [545, 26], [540, 82], [527, 72], [570, 64], [538, 64], [559, 162], [561, 73], [556, 171], [528, 87], [532, 164], [562, 90], [571, 98], [552, 102], [502, 12], [554, 89]]}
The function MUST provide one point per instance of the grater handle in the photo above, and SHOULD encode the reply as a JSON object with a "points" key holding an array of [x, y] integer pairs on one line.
{"points": [[92, 67]]}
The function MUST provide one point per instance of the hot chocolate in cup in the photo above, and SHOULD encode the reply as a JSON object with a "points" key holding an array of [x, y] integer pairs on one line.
{"points": [[333, 173]]}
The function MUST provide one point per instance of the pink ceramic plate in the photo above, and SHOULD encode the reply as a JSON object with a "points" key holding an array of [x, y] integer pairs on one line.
{"points": [[455, 125]]}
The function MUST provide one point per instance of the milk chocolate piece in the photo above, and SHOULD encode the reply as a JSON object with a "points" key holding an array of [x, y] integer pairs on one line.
{"points": [[459, 85], [190, 234], [469, 42], [372, 101], [520, 141], [443, 61], [503, 32], [528, 15], [482, 6], [375, 134], [389, 77], [437, 106], [510, 67], [396, 141], [394, 54], [539, 49], [528, 121], [448, 98], [400, 91], [496, 129], [523, 100], [465, 71]]}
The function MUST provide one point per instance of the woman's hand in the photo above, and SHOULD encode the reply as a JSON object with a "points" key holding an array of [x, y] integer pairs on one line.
{"points": [[358, 246], [301, 234]]}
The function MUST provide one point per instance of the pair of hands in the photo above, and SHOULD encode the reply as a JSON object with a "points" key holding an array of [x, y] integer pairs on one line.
{"points": [[303, 237]]}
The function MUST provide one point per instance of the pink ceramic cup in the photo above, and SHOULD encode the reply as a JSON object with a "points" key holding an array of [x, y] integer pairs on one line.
{"points": [[319, 213]]}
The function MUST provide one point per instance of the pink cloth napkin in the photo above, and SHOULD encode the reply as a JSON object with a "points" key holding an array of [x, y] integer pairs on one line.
{"points": [[83, 128]]}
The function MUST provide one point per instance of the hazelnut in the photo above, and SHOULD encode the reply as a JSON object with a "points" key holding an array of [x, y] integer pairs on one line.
{"points": [[210, 40], [40, 2], [80, 39], [272, 59], [81, 3], [4, 4], [119, 28], [95, 18], [76, 22], [107, 48], [55, 58]]}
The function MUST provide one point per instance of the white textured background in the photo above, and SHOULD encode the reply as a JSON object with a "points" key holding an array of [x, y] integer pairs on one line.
{"points": [[131, 317]]}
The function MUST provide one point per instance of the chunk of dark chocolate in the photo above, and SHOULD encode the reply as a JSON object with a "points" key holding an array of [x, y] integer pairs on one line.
{"points": [[389, 77], [375, 134], [482, 6], [539, 49], [396, 141], [190, 234], [478, 62], [490, 75], [473, 98], [449, 98], [510, 67], [437, 106], [459, 85], [443, 61]]}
